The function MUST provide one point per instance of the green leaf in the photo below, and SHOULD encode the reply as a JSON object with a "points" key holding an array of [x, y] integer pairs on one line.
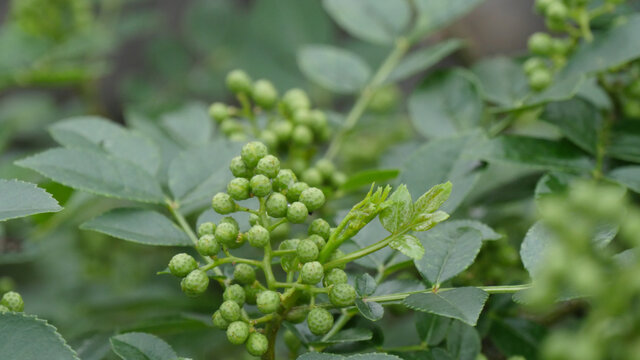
{"points": [[369, 235], [398, 211], [486, 232], [535, 153], [19, 199], [533, 247], [463, 341], [578, 120], [464, 304], [101, 134], [379, 22], [349, 335], [515, 336], [373, 356], [25, 337], [141, 346], [427, 221], [628, 176], [365, 285], [446, 104], [452, 247], [370, 310], [409, 245], [367, 356], [423, 59], [190, 125], [436, 14], [624, 143], [320, 356], [97, 173], [433, 199], [333, 68], [432, 329], [367, 177], [140, 226]]}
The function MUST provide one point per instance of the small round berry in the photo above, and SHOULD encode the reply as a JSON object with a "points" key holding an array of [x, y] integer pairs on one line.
{"points": [[302, 117], [230, 220], [302, 136], [342, 295], [296, 99], [182, 264], [238, 332], [207, 245], [541, 5], [257, 344], [268, 166], [251, 293], [223, 204], [561, 46], [296, 315], [281, 231], [337, 254], [268, 301], [338, 179], [307, 251], [260, 185], [320, 321], [238, 136], [297, 213], [312, 177], [218, 321], [239, 82], [226, 233], [218, 111], [206, 228], [292, 341], [230, 311], [4, 309], [317, 121], [282, 129], [12, 301], [557, 11], [318, 240], [540, 79], [284, 179], [252, 152], [311, 273], [264, 94], [320, 227], [234, 293], [313, 198], [288, 261], [238, 189], [244, 274], [540, 43], [293, 194], [334, 276], [532, 64], [277, 205], [326, 168], [254, 219], [269, 138], [195, 283], [258, 236], [230, 126], [384, 99], [239, 168]]}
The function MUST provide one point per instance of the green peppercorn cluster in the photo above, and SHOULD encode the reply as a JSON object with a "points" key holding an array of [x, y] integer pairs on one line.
{"points": [[11, 301]]}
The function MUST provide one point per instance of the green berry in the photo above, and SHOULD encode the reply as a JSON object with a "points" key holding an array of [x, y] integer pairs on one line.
{"points": [[557, 11], [260, 185], [320, 227], [257, 344], [313, 198], [252, 152], [302, 136], [297, 213], [264, 94], [268, 166], [268, 301], [326, 168], [182, 264], [238, 332], [320, 321], [337, 254], [251, 293], [334, 276], [296, 315], [258, 236], [218, 111], [227, 233], [239, 82], [541, 5], [254, 219], [293, 194], [244, 274], [284, 179], [230, 126], [342, 295], [282, 129], [218, 321], [4, 309], [195, 283], [312, 177], [276, 205], [207, 245], [238, 189], [206, 228], [223, 204], [338, 179], [307, 251], [234, 293], [317, 121], [239, 168], [302, 117], [561, 46], [281, 231], [230, 310], [311, 273], [540, 79], [532, 64], [12, 301], [288, 261], [230, 220], [318, 240], [296, 99], [269, 138], [540, 43]]}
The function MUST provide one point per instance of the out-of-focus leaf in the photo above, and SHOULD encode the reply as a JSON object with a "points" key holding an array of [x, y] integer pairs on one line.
{"points": [[141, 346], [432, 328], [367, 177], [624, 143], [423, 59], [628, 176], [514, 336], [463, 341], [190, 125], [464, 304], [578, 120], [19, 199], [333, 68], [435, 14]]}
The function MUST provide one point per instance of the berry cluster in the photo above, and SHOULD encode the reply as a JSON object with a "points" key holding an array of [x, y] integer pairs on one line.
{"points": [[11, 301]]}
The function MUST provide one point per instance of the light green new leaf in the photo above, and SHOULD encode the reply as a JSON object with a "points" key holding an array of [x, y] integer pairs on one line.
{"points": [[141, 226], [379, 22], [446, 104], [19, 199], [628, 176], [435, 14], [190, 125], [141, 346], [398, 211], [97, 173], [98, 133], [433, 199], [464, 304], [370, 310], [367, 177], [333, 68], [423, 59], [409, 245], [25, 337], [463, 341], [578, 120], [426, 221]]}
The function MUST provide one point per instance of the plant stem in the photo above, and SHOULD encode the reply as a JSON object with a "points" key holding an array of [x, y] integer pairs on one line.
{"points": [[248, 112], [360, 253], [266, 260], [402, 45], [585, 28]]}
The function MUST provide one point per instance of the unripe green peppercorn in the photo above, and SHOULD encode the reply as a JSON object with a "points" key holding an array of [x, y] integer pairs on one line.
{"points": [[230, 126], [227, 233], [296, 99], [218, 111], [4, 309], [257, 344], [218, 321], [276, 205], [268, 301], [258, 236], [282, 129], [317, 121], [223, 204], [239, 82], [182, 264], [260, 185], [326, 168], [540, 79], [312, 177], [540, 43], [311, 273], [337, 254], [251, 293], [532, 64], [302, 117], [234, 293], [252, 152], [195, 283], [230, 311], [320, 321], [313, 198], [254, 219], [557, 11], [264, 94], [237, 332], [206, 228], [334, 276], [12, 301], [318, 240], [239, 168], [297, 315], [338, 179], [244, 274], [320, 227], [294, 191], [269, 138], [288, 261], [284, 179], [281, 231], [207, 245], [297, 213], [307, 251], [230, 220], [238, 188], [268, 166], [541, 5], [302, 136], [342, 295]]}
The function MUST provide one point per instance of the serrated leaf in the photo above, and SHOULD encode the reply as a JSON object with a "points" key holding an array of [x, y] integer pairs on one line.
{"points": [[141, 346], [333, 68], [578, 120], [368, 177], [25, 337], [432, 329], [464, 304], [398, 211], [487, 232], [379, 22], [515, 336], [189, 125], [373, 356], [97, 173], [463, 341], [423, 59], [409, 245], [435, 14], [141, 226], [628, 176], [320, 356], [433, 199], [365, 285], [19, 199], [370, 310]]}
